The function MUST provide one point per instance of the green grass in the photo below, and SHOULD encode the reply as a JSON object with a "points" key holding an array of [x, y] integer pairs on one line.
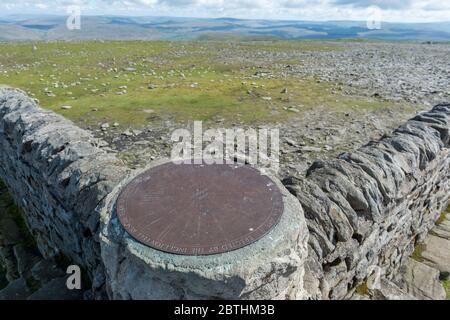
{"points": [[443, 216], [417, 254], [362, 289], [194, 80], [33, 284], [446, 285], [280, 45]]}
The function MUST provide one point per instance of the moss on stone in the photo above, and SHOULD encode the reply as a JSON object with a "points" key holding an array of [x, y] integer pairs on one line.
{"points": [[33, 284], [417, 254], [362, 289], [446, 285], [443, 216]]}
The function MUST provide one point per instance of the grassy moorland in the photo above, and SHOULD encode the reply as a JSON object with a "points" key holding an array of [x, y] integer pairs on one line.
{"points": [[133, 83]]}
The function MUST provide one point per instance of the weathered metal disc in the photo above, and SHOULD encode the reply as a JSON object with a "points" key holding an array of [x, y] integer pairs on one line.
{"points": [[193, 209]]}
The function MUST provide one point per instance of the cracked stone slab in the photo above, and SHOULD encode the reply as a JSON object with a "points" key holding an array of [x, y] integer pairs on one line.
{"points": [[442, 230], [422, 281], [390, 291], [437, 253]]}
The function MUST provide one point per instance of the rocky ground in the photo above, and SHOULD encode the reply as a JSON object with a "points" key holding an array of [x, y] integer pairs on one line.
{"points": [[24, 273], [417, 73], [319, 134], [324, 96], [403, 78]]}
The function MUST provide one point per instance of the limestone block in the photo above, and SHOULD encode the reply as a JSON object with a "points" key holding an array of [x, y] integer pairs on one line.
{"points": [[270, 268]]}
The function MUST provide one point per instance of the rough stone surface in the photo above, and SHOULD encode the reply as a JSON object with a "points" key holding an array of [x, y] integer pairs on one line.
{"points": [[46, 270], [16, 290], [437, 253], [390, 291], [59, 176], [443, 229], [422, 281], [370, 207], [270, 268], [56, 289], [26, 258], [366, 209]]}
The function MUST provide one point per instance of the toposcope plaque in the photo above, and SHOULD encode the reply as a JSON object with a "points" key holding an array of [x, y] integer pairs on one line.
{"points": [[193, 209]]}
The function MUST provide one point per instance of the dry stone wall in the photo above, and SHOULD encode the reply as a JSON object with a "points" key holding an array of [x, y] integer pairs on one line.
{"points": [[368, 209], [58, 175], [365, 211]]}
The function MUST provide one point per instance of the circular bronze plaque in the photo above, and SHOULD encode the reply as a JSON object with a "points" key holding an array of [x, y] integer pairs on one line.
{"points": [[194, 209]]}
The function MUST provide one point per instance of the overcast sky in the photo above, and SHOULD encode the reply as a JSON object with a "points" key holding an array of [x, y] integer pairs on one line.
{"points": [[391, 10]]}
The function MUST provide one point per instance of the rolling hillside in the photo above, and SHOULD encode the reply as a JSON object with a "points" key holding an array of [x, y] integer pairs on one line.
{"points": [[19, 28]]}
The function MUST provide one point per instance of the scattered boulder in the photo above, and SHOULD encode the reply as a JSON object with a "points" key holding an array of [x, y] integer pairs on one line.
{"points": [[292, 109], [310, 149], [263, 74]]}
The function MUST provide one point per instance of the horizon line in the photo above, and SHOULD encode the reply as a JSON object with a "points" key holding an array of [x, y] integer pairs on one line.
{"points": [[214, 18]]}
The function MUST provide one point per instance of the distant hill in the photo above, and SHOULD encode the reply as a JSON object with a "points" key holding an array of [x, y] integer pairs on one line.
{"points": [[20, 28]]}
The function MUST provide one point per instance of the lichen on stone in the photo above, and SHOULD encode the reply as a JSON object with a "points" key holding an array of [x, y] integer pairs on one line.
{"points": [[417, 253]]}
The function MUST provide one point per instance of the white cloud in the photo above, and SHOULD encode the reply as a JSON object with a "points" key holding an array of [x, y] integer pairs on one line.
{"points": [[392, 10]]}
